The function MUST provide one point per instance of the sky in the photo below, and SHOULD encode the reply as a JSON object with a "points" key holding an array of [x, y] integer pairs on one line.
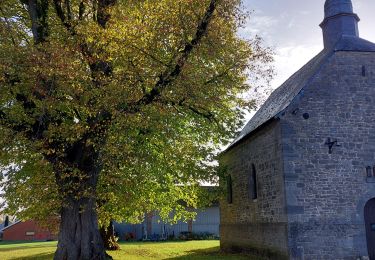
{"points": [[291, 27]]}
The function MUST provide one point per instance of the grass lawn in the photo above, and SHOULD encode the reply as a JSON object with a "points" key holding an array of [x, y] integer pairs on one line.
{"points": [[180, 250]]}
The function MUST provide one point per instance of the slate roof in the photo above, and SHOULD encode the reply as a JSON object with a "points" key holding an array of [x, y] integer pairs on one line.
{"points": [[283, 96]]}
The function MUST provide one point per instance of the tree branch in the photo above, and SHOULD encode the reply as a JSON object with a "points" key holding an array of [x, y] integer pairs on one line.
{"points": [[68, 10], [103, 15], [173, 71], [205, 114], [148, 54], [38, 12], [61, 14], [81, 11], [202, 112], [220, 75]]}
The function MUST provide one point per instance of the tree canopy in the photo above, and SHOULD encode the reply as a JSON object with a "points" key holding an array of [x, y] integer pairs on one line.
{"points": [[118, 108]]}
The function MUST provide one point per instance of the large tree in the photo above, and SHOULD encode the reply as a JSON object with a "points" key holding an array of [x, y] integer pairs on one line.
{"points": [[110, 109]]}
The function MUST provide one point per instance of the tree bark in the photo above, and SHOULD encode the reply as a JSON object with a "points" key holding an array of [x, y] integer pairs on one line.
{"points": [[79, 236], [109, 238], [38, 12]]}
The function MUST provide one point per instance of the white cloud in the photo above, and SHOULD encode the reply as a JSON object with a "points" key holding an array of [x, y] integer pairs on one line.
{"points": [[258, 24], [289, 59], [291, 23]]}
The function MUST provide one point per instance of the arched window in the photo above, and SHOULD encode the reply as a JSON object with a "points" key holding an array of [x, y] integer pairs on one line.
{"points": [[229, 190], [253, 183]]}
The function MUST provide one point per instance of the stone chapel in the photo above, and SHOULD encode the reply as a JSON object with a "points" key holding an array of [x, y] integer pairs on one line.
{"points": [[301, 174]]}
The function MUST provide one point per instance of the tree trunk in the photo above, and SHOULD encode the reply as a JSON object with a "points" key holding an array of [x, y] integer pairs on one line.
{"points": [[79, 236], [109, 238]]}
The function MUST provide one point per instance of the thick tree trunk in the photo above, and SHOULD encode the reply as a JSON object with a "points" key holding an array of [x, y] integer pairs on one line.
{"points": [[79, 236]]}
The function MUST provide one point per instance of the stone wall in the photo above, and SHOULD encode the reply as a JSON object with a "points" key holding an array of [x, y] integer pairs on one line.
{"points": [[255, 225], [326, 192]]}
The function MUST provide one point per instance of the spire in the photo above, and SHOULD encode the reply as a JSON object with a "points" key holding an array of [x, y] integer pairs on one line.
{"points": [[339, 20]]}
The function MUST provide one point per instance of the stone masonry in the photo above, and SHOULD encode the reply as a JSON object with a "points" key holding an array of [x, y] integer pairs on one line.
{"points": [[326, 193], [255, 224]]}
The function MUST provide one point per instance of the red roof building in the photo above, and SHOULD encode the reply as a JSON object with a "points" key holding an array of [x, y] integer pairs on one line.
{"points": [[27, 231]]}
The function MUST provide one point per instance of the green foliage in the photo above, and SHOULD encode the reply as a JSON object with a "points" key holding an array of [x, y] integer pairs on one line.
{"points": [[154, 111]]}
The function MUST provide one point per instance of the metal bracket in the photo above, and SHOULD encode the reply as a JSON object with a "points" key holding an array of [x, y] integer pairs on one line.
{"points": [[331, 144]]}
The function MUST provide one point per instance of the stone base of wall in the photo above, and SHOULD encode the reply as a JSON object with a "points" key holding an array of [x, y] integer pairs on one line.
{"points": [[329, 240], [254, 250], [268, 240]]}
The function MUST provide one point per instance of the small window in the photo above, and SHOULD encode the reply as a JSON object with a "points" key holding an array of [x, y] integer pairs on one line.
{"points": [[253, 183], [30, 233], [369, 172], [229, 190]]}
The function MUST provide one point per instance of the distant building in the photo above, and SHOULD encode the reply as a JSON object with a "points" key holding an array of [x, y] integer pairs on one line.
{"points": [[4, 224], [27, 231], [301, 175], [206, 221]]}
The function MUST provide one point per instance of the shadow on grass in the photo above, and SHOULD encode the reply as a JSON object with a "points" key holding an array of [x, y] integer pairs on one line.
{"points": [[41, 256], [24, 248], [212, 253], [154, 242], [15, 242]]}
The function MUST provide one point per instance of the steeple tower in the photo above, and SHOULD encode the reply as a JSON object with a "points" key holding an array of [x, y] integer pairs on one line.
{"points": [[339, 20]]}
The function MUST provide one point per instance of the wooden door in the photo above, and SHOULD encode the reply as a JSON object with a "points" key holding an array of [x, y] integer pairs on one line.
{"points": [[370, 227]]}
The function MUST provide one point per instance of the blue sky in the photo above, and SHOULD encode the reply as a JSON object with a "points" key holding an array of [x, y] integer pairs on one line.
{"points": [[291, 27]]}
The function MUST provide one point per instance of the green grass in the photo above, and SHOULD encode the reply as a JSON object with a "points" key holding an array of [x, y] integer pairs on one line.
{"points": [[181, 250]]}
